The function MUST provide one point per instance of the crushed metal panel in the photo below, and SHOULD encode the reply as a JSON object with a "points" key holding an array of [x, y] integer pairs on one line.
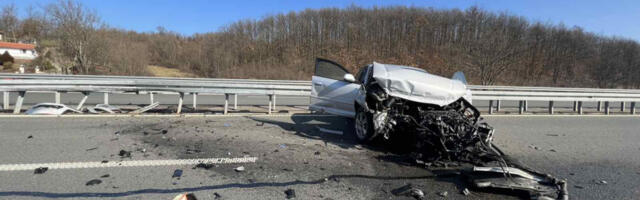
{"points": [[146, 108], [417, 85], [49, 109]]}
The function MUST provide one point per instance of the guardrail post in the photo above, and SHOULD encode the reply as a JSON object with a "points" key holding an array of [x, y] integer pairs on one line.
{"points": [[622, 106], [57, 97], [151, 98], [19, 100], [226, 104], [195, 104], [599, 106], [5, 100], [551, 107], [490, 106], [606, 107], [575, 106], [180, 99], [497, 105], [270, 102], [632, 110], [521, 107], [274, 102], [106, 98], [235, 101], [580, 107], [86, 95], [526, 106]]}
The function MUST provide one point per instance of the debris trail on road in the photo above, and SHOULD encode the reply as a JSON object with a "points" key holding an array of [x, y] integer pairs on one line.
{"points": [[129, 163]]}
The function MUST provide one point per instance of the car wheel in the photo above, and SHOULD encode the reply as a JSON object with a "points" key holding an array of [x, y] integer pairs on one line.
{"points": [[363, 126]]}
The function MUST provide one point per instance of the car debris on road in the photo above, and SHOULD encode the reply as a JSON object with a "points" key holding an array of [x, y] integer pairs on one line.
{"points": [[50, 109], [40, 170]]}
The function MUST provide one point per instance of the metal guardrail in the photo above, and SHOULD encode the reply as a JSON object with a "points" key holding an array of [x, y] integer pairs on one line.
{"points": [[86, 84], [148, 85]]}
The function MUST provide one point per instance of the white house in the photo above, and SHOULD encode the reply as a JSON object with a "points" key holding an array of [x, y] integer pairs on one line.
{"points": [[19, 51]]}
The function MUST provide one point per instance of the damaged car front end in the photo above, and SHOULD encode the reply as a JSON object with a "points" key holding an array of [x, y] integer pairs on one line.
{"points": [[437, 117]]}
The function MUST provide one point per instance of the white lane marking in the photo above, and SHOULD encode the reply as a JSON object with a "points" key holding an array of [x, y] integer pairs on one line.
{"points": [[128, 163]]}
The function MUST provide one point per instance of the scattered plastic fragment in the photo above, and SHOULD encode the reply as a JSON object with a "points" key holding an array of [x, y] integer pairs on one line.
{"points": [[177, 173], [40, 170], [30, 136], [239, 169], [186, 196], [466, 192], [93, 182], [443, 193], [217, 195], [316, 153], [91, 149], [290, 193], [105, 176]]}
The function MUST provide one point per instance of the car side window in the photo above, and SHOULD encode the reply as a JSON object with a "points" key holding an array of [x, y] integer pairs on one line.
{"points": [[362, 74], [329, 69]]}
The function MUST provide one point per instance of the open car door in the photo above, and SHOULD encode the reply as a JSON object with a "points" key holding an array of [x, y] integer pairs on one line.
{"points": [[334, 89]]}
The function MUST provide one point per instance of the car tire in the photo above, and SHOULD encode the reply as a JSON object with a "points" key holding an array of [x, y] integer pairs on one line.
{"points": [[363, 126]]}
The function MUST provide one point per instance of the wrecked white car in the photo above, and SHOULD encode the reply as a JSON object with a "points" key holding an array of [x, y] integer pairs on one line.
{"points": [[434, 112]]}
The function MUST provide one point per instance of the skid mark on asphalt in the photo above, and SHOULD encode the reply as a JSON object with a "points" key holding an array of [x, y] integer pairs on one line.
{"points": [[130, 163]]}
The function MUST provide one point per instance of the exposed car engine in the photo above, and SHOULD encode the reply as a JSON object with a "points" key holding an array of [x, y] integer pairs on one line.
{"points": [[456, 133]]}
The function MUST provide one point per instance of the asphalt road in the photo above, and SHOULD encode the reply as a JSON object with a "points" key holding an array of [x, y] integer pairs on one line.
{"points": [[293, 154]]}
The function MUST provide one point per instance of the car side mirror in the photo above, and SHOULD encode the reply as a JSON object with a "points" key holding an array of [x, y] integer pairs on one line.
{"points": [[349, 78]]}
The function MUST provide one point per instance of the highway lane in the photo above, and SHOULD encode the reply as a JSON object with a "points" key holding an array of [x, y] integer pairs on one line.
{"points": [[585, 150], [262, 100]]}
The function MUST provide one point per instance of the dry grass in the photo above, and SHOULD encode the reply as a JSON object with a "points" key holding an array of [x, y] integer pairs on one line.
{"points": [[160, 71]]}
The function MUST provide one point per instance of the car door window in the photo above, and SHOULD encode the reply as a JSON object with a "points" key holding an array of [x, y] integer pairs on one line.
{"points": [[329, 69], [362, 74]]}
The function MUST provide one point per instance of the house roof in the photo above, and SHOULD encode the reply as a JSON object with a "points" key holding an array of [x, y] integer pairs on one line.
{"points": [[11, 45]]}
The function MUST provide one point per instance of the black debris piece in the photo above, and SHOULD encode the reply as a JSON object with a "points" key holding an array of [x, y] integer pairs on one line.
{"points": [[145, 133], [105, 176], [91, 149], [260, 124], [125, 154], [177, 173], [290, 193], [316, 153], [30, 136], [204, 165], [105, 161], [40, 170], [578, 186], [217, 195], [93, 182], [164, 131], [117, 133], [287, 169]]}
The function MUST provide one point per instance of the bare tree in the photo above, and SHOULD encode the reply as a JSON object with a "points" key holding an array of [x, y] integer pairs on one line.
{"points": [[75, 27]]}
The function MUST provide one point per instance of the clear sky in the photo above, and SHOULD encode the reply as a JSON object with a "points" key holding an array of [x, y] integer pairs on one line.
{"points": [[607, 17]]}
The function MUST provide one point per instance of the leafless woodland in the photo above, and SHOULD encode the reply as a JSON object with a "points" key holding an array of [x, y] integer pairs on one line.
{"points": [[491, 48]]}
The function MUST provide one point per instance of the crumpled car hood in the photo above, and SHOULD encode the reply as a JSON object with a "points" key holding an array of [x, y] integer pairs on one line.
{"points": [[419, 86]]}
